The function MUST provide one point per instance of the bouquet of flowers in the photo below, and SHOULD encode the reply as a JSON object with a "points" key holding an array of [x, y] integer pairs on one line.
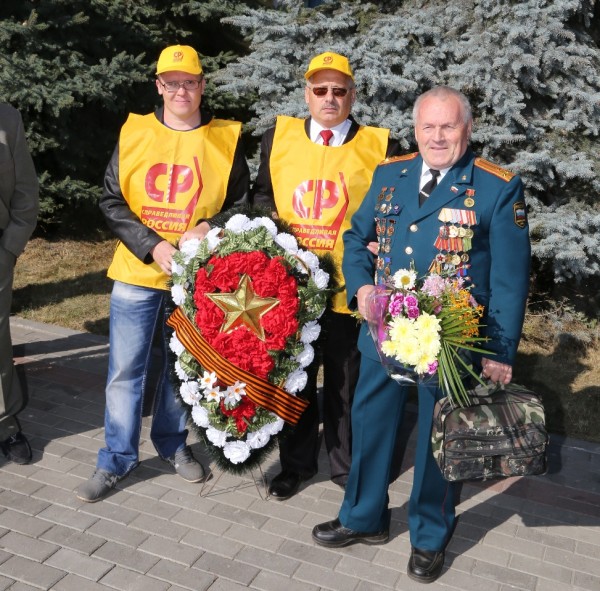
{"points": [[422, 329], [249, 299]]}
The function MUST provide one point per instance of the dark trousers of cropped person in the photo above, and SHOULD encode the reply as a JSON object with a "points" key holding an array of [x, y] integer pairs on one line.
{"points": [[13, 394], [299, 446]]}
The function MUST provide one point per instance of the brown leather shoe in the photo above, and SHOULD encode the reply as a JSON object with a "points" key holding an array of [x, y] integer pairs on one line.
{"points": [[334, 535], [425, 566]]}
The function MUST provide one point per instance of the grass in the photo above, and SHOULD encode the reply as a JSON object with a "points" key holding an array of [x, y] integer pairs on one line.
{"points": [[64, 283]]}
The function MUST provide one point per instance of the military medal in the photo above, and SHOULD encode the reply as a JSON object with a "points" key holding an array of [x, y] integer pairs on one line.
{"points": [[454, 238], [445, 215], [469, 201]]}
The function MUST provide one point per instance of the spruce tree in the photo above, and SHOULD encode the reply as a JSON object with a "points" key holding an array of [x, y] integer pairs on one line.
{"points": [[531, 70], [76, 69]]}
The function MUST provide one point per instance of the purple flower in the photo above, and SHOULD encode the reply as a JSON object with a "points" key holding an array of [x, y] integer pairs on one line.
{"points": [[410, 301], [396, 303], [412, 312], [432, 368]]}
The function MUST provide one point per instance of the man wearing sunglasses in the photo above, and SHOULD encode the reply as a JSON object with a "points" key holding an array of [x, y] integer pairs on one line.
{"points": [[171, 170], [314, 173]]}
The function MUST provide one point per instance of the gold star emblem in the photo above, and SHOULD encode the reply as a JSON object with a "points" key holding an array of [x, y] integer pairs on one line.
{"points": [[243, 307]]}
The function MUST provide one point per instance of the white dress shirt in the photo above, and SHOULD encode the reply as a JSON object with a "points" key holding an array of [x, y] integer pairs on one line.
{"points": [[339, 132]]}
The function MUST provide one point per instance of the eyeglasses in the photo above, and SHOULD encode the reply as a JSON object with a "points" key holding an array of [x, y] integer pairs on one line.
{"points": [[175, 86], [323, 90]]}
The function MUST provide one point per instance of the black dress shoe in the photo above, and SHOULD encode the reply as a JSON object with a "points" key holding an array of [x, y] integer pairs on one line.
{"points": [[285, 485], [425, 566], [16, 449], [334, 535]]}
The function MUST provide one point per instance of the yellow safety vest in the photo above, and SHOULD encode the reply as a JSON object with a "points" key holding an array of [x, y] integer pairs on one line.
{"points": [[170, 180], [317, 189]]}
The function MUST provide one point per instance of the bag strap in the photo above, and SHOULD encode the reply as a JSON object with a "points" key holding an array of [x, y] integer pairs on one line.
{"points": [[485, 390]]}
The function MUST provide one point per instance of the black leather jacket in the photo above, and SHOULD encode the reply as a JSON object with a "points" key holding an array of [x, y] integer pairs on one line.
{"points": [[129, 229]]}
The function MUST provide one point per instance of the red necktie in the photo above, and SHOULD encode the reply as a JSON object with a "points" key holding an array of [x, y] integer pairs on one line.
{"points": [[326, 134]]}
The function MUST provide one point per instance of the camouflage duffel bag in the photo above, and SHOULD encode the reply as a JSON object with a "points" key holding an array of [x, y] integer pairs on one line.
{"points": [[501, 434]]}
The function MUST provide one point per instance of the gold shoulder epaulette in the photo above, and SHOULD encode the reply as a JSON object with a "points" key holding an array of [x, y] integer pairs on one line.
{"points": [[494, 169], [399, 158]]}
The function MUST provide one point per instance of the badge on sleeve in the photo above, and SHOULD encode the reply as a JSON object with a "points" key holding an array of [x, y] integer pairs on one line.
{"points": [[520, 214]]}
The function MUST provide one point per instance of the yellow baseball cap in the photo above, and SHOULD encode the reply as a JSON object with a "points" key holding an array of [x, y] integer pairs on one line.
{"points": [[180, 58], [329, 61]]}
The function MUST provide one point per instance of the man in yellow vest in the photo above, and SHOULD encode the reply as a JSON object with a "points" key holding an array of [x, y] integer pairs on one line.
{"points": [[170, 170], [314, 173]]}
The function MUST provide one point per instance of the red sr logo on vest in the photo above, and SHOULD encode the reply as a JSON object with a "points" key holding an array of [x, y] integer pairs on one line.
{"points": [[324, 203], [172, 184]]}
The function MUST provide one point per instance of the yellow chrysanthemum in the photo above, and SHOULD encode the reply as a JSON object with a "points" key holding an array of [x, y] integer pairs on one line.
{"points": [[401, 328]]}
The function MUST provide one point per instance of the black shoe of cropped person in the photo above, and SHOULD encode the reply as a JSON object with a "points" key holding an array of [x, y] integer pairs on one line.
{"points": [[425, 566], [16, 449], [285, 485], [334, 535]]}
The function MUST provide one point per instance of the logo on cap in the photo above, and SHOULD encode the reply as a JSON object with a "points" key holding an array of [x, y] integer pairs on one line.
{"points": [[327, 59], [178, 56]]}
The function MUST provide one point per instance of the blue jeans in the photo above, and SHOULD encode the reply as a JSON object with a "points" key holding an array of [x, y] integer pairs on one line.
{"points": [[136, 313]]}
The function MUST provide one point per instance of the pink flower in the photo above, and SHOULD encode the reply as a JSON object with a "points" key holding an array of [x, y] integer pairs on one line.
{"points": [[432, 368], [411, 301], [434, 285], [396, 304], [412, 312]]}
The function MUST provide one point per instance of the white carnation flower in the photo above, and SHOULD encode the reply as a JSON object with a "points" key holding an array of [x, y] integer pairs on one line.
{"points": [[216, 437], [176, 268], [306, 356], [258, 438], [288, 242], [274, 427], [178, 294], [310, 259], [238, 223], [321, 278], [181, 374], [176, 345], [200, 416], [269, 224], [310, 332], [189, 249], [213, 238], [190, 392], [296, 381], [236, 451]]}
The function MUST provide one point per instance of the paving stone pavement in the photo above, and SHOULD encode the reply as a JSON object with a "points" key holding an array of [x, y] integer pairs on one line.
{"points": [[160, 533]]}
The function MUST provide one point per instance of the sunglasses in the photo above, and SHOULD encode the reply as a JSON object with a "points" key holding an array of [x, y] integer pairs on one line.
{"points": [[323, 90]]}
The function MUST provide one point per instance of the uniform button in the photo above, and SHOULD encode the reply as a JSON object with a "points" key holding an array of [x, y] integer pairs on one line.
{"points": [[408, 250], [413, 227]]}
